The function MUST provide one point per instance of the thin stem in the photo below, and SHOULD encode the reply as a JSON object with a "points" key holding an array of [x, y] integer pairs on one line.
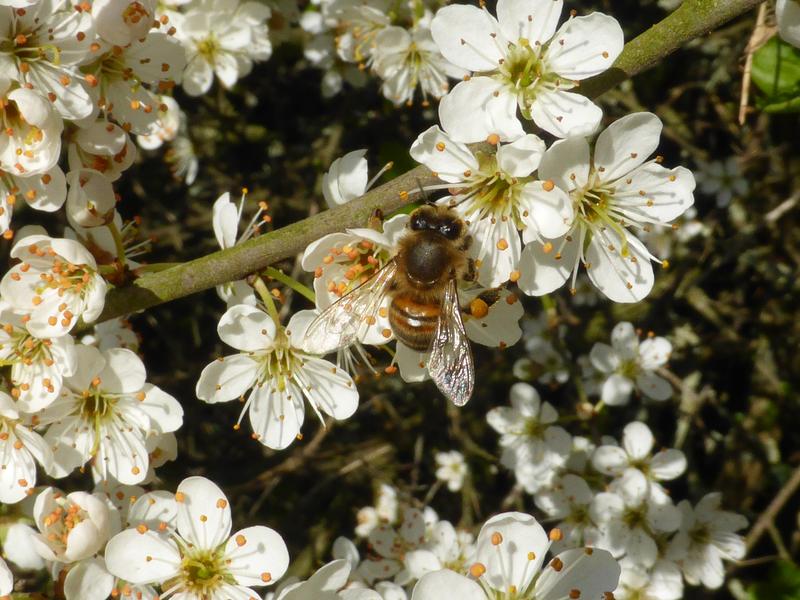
{"points": [[291, 282], [118, 242], [266, 298]]}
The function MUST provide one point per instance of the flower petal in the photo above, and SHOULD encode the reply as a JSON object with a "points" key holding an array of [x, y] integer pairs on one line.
{"points": [[141, 558], [521, 157], [204, 515], [226, 378], [620, 268], [533, 20], [276, 415], [257, 555], [566, 163], [585, 46], [565, 114], [446, 584], [592, 572], [637, 439], [626, 144], [246, 328], [468, 37]]}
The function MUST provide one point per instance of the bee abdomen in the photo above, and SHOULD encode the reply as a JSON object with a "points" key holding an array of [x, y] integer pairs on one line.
{"points": [[413, 323]]}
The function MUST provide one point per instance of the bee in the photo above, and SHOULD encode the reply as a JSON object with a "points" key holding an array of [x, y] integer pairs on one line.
{"points": [[424, 312]]}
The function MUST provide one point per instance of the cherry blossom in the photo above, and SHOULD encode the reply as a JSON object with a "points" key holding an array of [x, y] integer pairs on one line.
{"points": [[521, 62]]}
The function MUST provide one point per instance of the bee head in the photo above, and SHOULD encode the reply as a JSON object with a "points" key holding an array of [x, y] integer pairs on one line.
{"points": [[438, 219]]}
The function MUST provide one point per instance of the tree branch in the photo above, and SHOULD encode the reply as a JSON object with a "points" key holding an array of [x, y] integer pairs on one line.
{"points": [[692, 19]]}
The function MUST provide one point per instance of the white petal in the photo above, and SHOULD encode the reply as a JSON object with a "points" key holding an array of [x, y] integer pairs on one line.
{"points": [[585, 46], [346, 178], [653, 386], [124, 372], [165, 412], [446, 584], [566, 163], [197, 77], [604, 358], [448, 159], [246, 328], [277, 415], [616, 390], [521, 157], [468, 37], [227, 378], [462, 112], [533, 20], [549, 208], [592, 572], [88, 580], [668, 464], [788, 13], [225, 221], [637, 439], [565, 114], [544, 269], [257, 555], [508, 563], [329, 388], [626, 144], [498, 246], [204, 515], [654, 353], [654, 193], [622, 278], [142, 558], [610, 460]]}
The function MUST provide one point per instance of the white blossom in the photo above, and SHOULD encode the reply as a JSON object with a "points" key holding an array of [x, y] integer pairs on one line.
{"points": [[222, 38], [195, 556], [510, 564], [103, 147], [121, 22], [637, 446], [521, 61], [661, 582], [787, 13], [274, 375], [723, 179], [21, 450], [533, 446], [615, 192], [50, 41], [630, 519], [628, 365], [55, 284], [568, 500], [71, 527], [707, 536], [452, 469], [105, 413], [31, 140]]}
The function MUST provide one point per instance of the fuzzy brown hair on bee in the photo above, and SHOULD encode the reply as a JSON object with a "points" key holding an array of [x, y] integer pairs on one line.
{"points": [[424, 312], [429, 257]]}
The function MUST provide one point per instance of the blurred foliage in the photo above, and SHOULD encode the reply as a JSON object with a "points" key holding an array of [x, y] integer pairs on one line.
{"points": [[729, 302], [776, 72]]}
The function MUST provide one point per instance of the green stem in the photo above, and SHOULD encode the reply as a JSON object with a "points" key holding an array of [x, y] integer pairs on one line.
{"points": [[692, 19], [118, 243], [266, 298], [291, 282]]}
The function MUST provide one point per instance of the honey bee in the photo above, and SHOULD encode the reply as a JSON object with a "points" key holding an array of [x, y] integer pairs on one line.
{"points": [[424, 312]]}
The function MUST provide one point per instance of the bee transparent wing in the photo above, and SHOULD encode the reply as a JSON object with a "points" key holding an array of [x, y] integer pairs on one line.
{"points": [[344, 321], [450, 364]]}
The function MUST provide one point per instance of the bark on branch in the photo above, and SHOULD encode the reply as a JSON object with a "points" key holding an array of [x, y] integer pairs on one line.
{"points": [[692, 19]]}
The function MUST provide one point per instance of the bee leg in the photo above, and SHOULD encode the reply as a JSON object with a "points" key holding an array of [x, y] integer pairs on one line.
{"points": [[465, 243], [375, 220], [472, 271]]}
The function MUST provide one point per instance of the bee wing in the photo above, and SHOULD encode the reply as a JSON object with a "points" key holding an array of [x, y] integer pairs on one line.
{"points": [[450, 364], [345, 320]]}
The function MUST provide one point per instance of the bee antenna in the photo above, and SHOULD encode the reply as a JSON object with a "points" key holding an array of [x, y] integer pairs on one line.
{"points": [[423, 192]]}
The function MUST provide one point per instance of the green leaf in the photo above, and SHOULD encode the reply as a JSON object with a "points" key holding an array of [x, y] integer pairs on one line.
{"points": [[783, 583], [776, 72]]}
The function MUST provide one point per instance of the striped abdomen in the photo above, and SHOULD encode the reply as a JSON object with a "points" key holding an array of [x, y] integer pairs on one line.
{"points": [[413, 323]]}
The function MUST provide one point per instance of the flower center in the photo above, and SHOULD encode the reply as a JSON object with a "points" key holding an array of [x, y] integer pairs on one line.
{"points": [[700, 535], [533, 428], [635, 517], [358, 261], [203, 571], [526, 74], [278, 365], [61, 521], [208, 48], [135, 13], [492, 193]]}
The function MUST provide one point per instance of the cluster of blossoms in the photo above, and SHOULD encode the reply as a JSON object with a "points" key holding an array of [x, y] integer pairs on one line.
{"points": [[77, 80], [612, 496], [345, 38]]}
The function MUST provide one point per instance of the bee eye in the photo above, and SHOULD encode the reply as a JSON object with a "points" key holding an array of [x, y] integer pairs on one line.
{"points": [[418, 222], [450, 230]]}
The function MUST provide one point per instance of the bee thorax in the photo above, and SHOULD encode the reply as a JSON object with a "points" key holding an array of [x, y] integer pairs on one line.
{"points": [[426, 261]]}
